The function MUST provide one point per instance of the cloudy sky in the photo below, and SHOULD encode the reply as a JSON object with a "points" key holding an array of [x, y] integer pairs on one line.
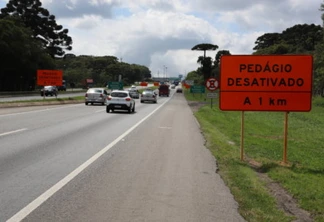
{"points": [[160, 33]]}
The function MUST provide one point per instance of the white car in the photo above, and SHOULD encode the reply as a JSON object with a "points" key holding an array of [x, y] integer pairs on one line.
{"points": [[120, 100]]}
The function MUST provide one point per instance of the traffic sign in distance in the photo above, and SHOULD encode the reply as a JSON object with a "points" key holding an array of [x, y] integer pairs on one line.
{"points": [[212, 84], [49, 77]]}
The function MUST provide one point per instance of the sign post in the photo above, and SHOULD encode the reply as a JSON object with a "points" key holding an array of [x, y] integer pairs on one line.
{"points": [[266, 83], [212, 84]]}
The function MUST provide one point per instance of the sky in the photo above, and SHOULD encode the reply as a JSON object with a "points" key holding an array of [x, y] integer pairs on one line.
{"points": [[159, 34]]}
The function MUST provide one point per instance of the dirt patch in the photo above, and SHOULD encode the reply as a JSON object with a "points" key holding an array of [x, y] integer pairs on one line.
{"points": [[195, 105], [285, 201]]}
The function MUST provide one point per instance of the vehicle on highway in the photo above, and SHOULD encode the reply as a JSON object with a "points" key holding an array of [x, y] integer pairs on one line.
{"points": [[173, 86], [120, 100], [62, 87], [134, 93], [148, 95], [49, 91], [164, 90], [96, 95], [179, 90]]}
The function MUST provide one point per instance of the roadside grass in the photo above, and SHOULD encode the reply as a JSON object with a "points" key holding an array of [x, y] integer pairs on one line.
{"points": [[51, 99], [302, 177]]}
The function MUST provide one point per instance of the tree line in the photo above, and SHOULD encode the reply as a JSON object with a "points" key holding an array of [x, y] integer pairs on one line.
{"points": [[30, 39]]}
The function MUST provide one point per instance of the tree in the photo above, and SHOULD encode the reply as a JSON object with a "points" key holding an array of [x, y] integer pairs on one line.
{"points": [[267, 40], [54, 38], [293, 40], [205, 47], [20, 56], [215, 69], [218, 56], [205, 62], [193, 75]]}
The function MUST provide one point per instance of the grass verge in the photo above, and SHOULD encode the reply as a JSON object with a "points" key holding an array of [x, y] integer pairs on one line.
{"points": [[302, 177], [38, 102]]}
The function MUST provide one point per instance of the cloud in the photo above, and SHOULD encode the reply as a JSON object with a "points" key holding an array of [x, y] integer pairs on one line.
{"points": [[158, 33], [80, 8]]}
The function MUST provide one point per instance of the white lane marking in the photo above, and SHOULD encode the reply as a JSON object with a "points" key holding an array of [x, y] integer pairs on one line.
{"points": [[165, 127], [11, 132], [41, 110], [23, 213]]}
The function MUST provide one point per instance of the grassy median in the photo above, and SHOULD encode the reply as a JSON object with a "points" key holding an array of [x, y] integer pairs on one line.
{"points": [[303, 175]]}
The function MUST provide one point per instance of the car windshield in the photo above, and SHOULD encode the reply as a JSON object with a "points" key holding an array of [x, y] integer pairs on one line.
{"points": [[119, 94], [147, 92]]}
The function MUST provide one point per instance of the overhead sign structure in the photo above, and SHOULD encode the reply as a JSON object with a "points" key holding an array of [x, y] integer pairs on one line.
{"points": [[266, 83], [49, 77], [212, 84]]}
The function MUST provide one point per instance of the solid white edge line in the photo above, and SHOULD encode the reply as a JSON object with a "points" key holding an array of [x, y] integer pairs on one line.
{"points": [[23, 213], [11, 132]]}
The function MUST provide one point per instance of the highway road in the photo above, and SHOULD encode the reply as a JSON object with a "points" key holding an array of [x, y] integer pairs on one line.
{"points": [[79, 163]]}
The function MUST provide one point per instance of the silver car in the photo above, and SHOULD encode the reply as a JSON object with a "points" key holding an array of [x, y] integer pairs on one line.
{"points": [[134, 93], [120, 100], [148, 95], [96, 95]]}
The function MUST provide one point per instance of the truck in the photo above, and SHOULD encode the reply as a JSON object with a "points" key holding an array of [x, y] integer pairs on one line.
{"points": [[87, 83], [164, 90]]}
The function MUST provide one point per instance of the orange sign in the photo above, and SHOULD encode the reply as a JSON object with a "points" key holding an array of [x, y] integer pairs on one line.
{"points": [[156, 83], [143, 84], [49, 77], [266, 83]]}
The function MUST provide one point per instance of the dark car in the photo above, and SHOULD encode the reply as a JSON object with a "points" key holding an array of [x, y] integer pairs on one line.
{"points": [[62, 87], [49, 91]]}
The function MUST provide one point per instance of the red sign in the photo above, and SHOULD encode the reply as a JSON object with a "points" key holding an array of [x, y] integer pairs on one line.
{"points": [[186, 85], [266, 82], [49, 77], [143, 84], [156, 83], [212, 84]]}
